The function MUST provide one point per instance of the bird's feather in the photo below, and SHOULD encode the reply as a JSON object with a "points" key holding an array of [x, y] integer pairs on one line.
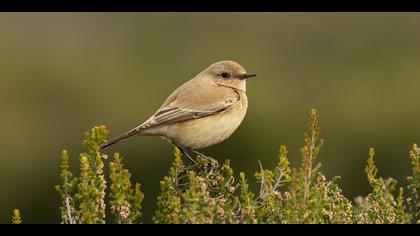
{"points": [[192, 100]]}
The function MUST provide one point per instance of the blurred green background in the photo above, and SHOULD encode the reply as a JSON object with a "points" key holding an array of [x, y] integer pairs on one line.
{"points": [[63, 73]]}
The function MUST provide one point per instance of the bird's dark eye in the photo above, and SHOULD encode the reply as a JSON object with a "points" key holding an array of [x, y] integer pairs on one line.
{"points": [[225, 75]]}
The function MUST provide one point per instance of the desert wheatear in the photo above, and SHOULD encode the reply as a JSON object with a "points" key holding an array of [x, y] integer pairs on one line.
{"points": [[202, 112]]}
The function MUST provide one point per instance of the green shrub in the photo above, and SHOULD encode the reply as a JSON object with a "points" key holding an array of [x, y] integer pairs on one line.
{"points": [[206, 192], [16, 219], [83, 196], [380, 206], [414, 184]]}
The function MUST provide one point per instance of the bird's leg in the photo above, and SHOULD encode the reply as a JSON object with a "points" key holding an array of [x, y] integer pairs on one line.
{"points": [[199, 153], [184, 151]]}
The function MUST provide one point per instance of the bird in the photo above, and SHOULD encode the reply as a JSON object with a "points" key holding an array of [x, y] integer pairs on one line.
{"points": [[202, 112]]}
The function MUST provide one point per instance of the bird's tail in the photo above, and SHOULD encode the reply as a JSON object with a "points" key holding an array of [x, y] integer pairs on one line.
{"points": [[125, 135]]}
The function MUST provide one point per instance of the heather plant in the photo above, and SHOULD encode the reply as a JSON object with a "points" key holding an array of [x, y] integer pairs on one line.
{"points": [[16, 219], [209, 192], [414, 184], [270, 203], [199, 193], [125, 199], [381, 206], [83, 196]]}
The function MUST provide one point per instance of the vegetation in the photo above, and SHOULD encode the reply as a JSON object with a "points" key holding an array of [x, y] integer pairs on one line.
{"points": [[16, 219], [83, 197], [208, 192]]}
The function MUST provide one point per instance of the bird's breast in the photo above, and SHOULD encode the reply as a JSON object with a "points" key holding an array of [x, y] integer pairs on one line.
{"points": [[210, 130]]}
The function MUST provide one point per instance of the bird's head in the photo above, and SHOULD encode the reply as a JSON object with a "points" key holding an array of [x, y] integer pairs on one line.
{"points": [[228, 73]]}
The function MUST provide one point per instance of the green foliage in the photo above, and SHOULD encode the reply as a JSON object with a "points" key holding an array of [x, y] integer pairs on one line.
{"points": [[247, 212], [414, 184], [271, 200], [309, 188], [302, 195], [200, 193], [125, 200], [67, 191], [380, 206], [168, 202], [83, 196], [207, 193], [16, 219]]}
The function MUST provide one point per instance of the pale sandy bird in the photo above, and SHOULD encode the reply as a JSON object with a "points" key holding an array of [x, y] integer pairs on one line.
{"points": [[202, 112]]}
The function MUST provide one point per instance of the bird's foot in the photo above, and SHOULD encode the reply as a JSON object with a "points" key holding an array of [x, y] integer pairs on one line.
{"points": [[194, 161], [199, 154], [212, 163]]}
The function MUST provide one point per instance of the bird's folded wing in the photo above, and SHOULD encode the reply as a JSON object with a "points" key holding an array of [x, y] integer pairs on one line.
{"points": [[178, 111]]}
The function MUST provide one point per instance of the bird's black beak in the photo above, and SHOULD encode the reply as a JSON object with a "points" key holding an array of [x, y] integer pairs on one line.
{"points": [[246, 76]]}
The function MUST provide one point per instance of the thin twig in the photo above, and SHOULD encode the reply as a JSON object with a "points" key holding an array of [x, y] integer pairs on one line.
{"points": [[262, 181], [279, 180], [68, 210]]}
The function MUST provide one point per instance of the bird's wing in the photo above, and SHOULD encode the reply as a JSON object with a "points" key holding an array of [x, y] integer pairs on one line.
{"points": [[173, 114], [193, 105]]}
